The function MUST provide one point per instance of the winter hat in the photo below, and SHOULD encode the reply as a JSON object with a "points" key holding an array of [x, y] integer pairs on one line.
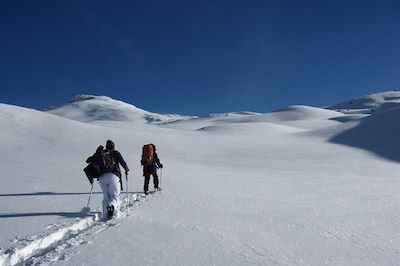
{"points": [[110, 145]]}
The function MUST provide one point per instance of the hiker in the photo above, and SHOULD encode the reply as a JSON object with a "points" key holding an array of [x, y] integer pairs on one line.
{"points": [[150, 164], [109, 160]]}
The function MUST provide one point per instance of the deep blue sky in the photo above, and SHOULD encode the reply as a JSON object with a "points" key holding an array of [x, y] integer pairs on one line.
{"points": [[198, 57]]}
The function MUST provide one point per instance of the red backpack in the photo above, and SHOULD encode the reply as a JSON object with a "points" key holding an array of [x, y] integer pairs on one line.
{"points": [[148, 154]]}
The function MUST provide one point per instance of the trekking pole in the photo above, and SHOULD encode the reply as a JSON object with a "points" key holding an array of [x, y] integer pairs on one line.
{"points": [[90, 195], [127, 189], [160, 177]]}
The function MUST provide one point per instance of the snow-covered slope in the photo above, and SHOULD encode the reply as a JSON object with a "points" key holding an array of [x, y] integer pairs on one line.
{"points": [[373, 103], [89, 108], [297, 116], [283, 188], [377, 133]]}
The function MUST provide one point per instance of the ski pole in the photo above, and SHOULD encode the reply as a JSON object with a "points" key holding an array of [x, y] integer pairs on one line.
{"points": [[90, 195], [127, 188], [160, 177]]}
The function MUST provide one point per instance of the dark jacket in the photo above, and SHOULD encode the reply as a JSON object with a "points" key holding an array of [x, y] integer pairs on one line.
{"points": [[96, 159], [119, 161], [151, 168]]}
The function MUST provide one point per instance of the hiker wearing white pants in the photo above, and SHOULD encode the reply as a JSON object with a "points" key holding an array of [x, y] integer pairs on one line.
{"points": [[110, 186], [108, 162]]}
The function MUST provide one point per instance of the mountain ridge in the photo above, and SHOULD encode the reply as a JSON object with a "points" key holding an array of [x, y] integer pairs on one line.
{"points": [[371, 103], [90, 108], [367, 104]]}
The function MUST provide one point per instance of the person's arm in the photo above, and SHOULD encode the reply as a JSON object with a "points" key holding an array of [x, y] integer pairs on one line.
{"points": [[122, 161], [157, 161]]}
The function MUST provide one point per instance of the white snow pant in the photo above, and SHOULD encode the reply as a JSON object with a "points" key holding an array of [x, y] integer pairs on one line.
{"points": [[110, 186]]}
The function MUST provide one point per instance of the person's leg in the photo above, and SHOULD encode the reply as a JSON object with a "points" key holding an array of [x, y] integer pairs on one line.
{"points": [[155, 180], [106, 197], [114, 190], [146, 182]]}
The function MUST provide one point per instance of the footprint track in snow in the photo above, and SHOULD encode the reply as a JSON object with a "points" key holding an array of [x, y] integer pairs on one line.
{"points": [[57, 245]]}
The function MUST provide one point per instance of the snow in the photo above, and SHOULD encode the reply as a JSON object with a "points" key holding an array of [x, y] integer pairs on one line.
{"points": [[299, 186], [89, 108], [376, 102]]}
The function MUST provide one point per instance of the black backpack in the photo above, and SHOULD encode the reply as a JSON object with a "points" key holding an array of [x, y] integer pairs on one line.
{"points": [[108, 161]]}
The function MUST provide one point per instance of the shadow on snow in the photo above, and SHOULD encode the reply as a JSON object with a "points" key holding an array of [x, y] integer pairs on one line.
{"points": [[56, 194], [36, 214], [377, 133]]}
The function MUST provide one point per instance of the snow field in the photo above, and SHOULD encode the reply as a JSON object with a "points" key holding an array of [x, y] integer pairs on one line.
{"points": [[238, 189], [52, 246]]}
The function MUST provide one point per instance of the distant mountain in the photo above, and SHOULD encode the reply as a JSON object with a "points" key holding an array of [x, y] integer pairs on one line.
{"points": [[373, 103], [88, 108], [296, 116]]}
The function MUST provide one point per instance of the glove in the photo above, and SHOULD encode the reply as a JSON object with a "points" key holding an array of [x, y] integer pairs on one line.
{"points": [[161, 166]]}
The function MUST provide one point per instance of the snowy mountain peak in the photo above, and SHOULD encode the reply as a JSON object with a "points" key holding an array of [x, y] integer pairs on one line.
{"points": [[90, 108], [372, 103], [86, 97], [384, 96], [94, 101]]}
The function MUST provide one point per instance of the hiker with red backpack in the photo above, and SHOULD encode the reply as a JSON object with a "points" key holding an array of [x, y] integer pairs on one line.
{"points": [[150, 164], [108, 160]]}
